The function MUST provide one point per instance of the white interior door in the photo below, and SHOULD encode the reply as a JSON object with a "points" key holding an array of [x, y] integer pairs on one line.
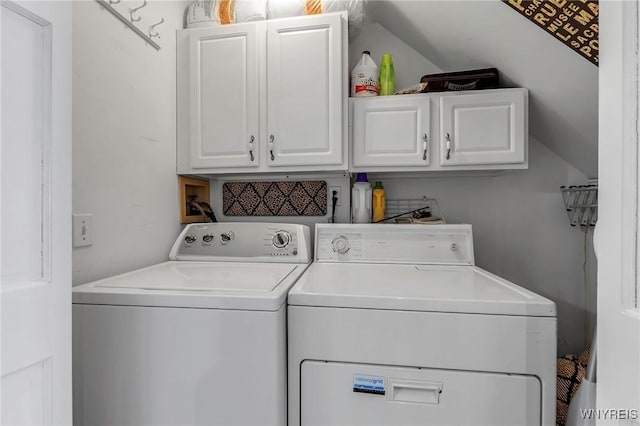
{"points": [[618, 368], [35, 382]]}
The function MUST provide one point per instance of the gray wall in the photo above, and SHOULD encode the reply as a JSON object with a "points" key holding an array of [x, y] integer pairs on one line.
{"points": [[124, 139]]}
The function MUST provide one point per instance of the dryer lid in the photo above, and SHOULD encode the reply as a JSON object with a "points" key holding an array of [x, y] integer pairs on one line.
{"points": [[427, 288]]}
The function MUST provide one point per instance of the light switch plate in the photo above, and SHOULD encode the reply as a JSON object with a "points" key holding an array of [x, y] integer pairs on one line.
{"points": [[82, 230]]}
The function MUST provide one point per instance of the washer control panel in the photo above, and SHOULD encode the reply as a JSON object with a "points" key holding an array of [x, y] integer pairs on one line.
{"points": [[257, 242], [392, 243]]}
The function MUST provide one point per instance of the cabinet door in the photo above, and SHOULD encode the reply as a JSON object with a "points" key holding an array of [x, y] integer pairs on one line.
{"points": [[224, 109], [391, 131], [483, 128], [306, 84]]}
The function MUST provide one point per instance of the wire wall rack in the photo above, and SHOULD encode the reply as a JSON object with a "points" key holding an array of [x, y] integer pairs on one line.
{"points": [[136, 19], [423, 210], [581, 203]]}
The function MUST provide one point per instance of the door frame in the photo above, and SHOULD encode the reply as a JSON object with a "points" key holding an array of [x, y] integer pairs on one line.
{"points": [[618, 345]]}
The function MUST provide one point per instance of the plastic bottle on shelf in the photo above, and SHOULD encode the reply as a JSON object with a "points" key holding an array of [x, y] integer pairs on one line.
{"points": [[379, 202], [361, 200], [387, 76], [364, 77]]}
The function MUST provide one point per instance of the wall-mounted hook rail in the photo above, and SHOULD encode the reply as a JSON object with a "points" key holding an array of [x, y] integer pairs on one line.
{"points": [[134, 10], [106, 4], [152, 32]]}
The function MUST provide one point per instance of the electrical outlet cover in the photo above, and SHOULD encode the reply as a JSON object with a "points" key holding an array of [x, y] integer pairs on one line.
{"points": [[82, 230]]}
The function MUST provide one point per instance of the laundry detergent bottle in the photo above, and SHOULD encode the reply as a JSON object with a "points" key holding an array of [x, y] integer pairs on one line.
{"points": [[364, 77], [379, 203], [361, 200]]}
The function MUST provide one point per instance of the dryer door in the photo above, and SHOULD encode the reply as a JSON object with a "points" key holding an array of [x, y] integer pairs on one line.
{"points": [[337, 394]]}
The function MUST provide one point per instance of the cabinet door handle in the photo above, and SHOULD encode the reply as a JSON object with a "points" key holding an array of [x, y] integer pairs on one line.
{"points": [[447, 138], [271, 139], [424, 146], [251, 148]]}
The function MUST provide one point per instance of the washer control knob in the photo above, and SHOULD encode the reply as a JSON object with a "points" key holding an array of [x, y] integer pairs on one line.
{"points": [[226, 237], [190, 239], [340, 244], [453, 247], [281, 239], [207, 238]]}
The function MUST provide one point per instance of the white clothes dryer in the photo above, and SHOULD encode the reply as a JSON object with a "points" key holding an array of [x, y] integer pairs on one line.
{"points": [[395, 325], [198, 340]]}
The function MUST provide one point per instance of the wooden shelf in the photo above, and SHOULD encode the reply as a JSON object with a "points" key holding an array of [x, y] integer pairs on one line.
{"points": [[192, 189]]}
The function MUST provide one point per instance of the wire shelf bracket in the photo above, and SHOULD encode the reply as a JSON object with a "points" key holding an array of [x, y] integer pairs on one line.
{"points": [[581, 203], [423, 210]]}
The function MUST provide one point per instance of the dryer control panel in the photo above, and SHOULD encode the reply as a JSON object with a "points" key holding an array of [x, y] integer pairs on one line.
{"points": [[392, 243], [247, 242]]}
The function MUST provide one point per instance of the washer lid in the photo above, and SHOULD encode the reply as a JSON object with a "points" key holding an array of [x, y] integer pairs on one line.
{"points": [[223, 285], [427, 288]]}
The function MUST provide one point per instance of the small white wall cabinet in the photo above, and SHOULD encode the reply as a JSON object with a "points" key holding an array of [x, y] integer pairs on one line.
{"points": [[483, 128], [391, 131], [471, 130], [265, 96]]}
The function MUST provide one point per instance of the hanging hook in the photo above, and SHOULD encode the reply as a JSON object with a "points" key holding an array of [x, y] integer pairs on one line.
{"points": [[152, 28], [134, 10]]}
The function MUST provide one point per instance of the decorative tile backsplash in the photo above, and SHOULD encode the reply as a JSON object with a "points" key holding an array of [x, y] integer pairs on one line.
{"points": [[285, 198]]}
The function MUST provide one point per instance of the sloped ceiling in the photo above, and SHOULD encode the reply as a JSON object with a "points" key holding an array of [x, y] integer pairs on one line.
{"points": [[463, 35]]}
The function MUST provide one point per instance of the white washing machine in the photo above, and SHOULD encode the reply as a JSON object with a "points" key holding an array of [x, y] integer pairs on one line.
{"points": [[395, 325], [198, 340]]}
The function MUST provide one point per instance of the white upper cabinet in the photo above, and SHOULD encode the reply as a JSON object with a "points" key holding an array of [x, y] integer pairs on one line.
{"points": [[483, 128], [268, 96], [470, 130], [391, 131], [223, 92], [305, 91]]}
